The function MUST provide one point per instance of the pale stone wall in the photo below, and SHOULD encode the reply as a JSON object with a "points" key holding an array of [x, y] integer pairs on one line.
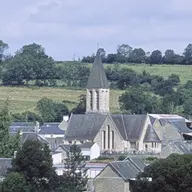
{"points": [[103, 100], [109, 181], [118, 141], [141, 145], [155, 148]]}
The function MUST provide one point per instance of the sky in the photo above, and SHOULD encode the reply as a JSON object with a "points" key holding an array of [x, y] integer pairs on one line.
{"points": [[70, 29]]}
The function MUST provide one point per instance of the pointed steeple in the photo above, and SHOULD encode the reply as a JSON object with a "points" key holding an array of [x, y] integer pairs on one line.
{"points": [[97, 78]]}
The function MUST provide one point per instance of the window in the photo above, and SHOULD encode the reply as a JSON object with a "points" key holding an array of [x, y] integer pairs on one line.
{"points": [[133, 145], [104, 140], [108, 130], [97, 99], [154, 145], [113, 140], [91, 99]]}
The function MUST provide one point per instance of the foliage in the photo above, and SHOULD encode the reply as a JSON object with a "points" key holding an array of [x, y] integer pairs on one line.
{"points": [[50, 110], [8, 144], [15, 182], [156, 57], [136, 101], [34, 162], [81, 106], [3, 47], [76, 171], [168, 175], [29, 63], [27, 116]]}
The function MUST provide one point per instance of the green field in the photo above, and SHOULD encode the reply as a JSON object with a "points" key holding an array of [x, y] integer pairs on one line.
{"points": [[184, 71], [25, 98]]}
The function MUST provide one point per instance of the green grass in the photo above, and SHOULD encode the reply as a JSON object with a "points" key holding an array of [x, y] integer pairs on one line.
{"points": [[184, 71], [25, 98]]}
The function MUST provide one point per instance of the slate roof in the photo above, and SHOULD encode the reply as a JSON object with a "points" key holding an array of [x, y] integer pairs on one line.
{"points": [[180, 125], [150, 135], [33, 137], [22, 126], [87, 145], [130, 126], [129, 168], [84, 127], [5, 163], [65, 147], [97, 78], [51, 128]]}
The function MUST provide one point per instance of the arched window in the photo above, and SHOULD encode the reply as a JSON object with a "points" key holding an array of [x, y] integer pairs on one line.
{"points": [[108, 131], [91, 99], [104, 140], [97, 99], [113, 140]]}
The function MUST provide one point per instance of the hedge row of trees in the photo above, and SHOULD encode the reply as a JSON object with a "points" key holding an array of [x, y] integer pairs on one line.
{"points": [[126, 54]]}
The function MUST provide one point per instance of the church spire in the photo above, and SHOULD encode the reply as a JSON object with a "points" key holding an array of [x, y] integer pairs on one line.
{"points": [[97, 78], [97, 98]]}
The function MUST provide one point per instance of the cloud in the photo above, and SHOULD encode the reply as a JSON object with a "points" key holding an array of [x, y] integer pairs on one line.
{"points": [[68, 27]]}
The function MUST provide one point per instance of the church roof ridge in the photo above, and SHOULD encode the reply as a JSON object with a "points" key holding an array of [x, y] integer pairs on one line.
{"points": [[97, 78]]}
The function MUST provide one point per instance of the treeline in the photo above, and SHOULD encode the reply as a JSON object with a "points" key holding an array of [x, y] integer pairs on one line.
{"points": [[126, 54]]}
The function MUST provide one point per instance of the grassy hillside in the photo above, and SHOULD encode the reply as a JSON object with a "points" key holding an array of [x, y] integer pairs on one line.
{"points": [[184, 71], [23, 98]]}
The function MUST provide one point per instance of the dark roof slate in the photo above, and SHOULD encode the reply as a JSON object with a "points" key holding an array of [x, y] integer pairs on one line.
{"points": [[33, 137], [180, 125], [87, 145], [130, 126], [84, 127], [150, 135], [129, 168], [51, 128], [97, 78]]}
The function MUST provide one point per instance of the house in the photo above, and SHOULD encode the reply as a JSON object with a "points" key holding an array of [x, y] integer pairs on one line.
{"points": [[88, 150], [52, 133], [116, 176], [112, 132], [5, 164], [23, 127], [92, 169]]}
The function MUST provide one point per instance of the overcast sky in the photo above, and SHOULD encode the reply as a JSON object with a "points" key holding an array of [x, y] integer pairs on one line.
{"points": [[74, 27]]}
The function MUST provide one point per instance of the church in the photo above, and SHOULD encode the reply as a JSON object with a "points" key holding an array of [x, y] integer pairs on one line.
{"points": [[112, 132]]}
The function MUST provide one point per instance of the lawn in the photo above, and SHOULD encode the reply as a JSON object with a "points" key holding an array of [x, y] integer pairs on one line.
{"points": [[25, 98]]}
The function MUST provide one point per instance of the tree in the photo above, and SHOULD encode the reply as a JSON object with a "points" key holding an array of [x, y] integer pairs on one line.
{"points": [[3, 47], [76, 172], [168, 175], [8, 144], [34, 162], [126, 78], [169, 57], [136, 101], [51, 111], [29, 63], [124, 50], [188, 54], [187, 106], [15, 182], [156, 57], [137, 56], [81, 106]]}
